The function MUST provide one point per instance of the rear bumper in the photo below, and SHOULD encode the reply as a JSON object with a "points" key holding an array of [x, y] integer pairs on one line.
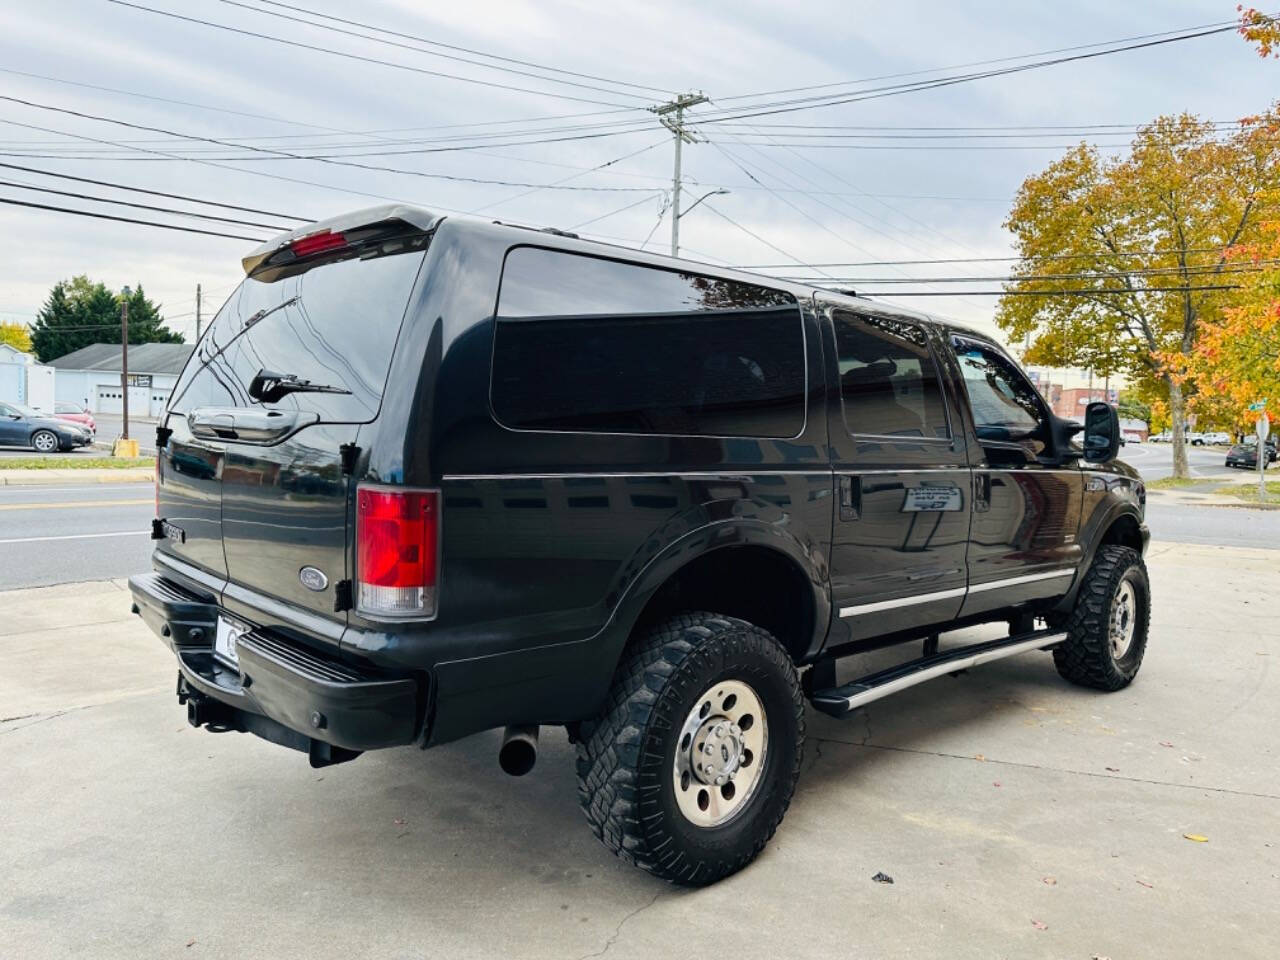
{"points": [[282, 690]]}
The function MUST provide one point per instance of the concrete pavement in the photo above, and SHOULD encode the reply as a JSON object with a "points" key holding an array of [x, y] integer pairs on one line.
{"points": [[1018, 816]]}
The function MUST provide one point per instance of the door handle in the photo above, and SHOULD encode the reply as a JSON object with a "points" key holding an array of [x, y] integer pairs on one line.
{"points": [[850, 497], [247, 424]]}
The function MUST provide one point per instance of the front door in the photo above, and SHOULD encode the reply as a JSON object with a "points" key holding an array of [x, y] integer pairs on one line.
{"points": [[1026, 495], [13, 426], [901, 476]]}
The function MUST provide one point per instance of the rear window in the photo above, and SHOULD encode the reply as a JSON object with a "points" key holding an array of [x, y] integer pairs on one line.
{"points": [[591, 345], [335, 325]]}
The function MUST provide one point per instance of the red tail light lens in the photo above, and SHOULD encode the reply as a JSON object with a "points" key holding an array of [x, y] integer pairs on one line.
{"points": [[397, 551], [317, 243]]}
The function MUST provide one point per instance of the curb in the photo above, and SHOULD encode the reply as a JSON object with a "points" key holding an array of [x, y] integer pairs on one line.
{"points": [[48, 478], [1210, 500]]}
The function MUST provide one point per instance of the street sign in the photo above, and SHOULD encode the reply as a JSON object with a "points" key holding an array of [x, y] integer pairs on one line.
{"points": [[1264, 430], [1260, 405]]}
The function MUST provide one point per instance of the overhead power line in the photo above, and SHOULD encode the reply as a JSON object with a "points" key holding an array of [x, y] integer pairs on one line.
{"points": [[143, 206], [152, 193], [284, 154], [1122, 254], [107, 216], [649, 91], [1057, 293], [363, 59]]}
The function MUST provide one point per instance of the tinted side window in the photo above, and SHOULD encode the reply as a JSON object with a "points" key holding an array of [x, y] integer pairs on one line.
{"points": [[1005, 404], [888, 381], [592, 345]]}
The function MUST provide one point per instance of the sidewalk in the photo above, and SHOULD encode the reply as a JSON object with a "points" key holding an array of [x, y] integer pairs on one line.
{"points": [[1206, 494]]}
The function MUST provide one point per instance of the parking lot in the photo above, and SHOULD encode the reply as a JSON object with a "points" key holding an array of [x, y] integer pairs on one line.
{"points": [[1017, 815]]}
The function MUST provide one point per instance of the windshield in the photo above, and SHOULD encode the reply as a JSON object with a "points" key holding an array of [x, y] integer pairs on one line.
{"points": [[27, 411]]}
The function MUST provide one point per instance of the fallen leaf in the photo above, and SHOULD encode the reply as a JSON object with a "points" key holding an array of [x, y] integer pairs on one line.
{"points": [[882, 877], [191, 943], [1039, 924], [978, 756], [1113, 769], [1198, 838], [1051, 881], [1143, 883], [996, 783], [1098, 956], [1165, 743]]}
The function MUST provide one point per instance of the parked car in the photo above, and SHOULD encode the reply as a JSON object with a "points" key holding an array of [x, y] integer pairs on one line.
{"points": [[74, 413], [1194, 439], [1246, 454], [1132, 437], [22, 426], [558, 482], [1164, 436], [1217, 438]]}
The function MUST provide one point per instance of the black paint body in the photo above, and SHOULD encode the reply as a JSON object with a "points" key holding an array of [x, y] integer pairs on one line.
{"points": [[556, 545]]}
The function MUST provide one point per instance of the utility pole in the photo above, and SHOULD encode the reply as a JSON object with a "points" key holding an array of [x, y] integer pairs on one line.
{"points": [[124, 357], [197, 312], [675, 124]]}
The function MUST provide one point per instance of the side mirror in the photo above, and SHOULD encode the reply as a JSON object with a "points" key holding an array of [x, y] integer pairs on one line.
{"points": [[1101, 432]]}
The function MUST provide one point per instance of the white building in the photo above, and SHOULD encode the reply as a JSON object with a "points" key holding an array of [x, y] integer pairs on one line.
{"points": [[25, 380], [90, 376]]}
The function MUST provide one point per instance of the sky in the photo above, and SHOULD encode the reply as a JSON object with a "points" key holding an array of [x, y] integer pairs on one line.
{"points": [[890, 185]]}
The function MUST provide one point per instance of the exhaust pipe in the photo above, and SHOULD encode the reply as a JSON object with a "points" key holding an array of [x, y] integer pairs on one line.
{"points": [[519, 750]]}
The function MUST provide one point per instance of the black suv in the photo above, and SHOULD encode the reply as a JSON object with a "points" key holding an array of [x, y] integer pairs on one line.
{"points": [[424, 477]]}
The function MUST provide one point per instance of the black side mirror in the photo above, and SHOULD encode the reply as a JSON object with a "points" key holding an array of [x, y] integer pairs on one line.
{"points": [[1101, 432]]}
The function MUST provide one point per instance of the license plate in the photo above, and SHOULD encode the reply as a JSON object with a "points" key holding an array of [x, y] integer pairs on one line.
{"points": [[225, 640]]}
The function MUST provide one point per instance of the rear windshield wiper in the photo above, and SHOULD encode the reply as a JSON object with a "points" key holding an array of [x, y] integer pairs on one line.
{"points": [[268, 386]]}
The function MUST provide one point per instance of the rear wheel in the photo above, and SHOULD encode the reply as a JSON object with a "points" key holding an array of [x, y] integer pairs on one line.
{"points": [[44, 441], [1107, 628], [690, 767]]}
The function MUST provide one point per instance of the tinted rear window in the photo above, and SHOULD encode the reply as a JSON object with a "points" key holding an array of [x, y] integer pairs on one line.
{"points": [[592, 345], [334, 325]]}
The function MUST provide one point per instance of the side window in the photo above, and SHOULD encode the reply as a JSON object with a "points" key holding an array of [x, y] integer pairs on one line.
{"points": [[1005, 404], [888, 382], [591, 345]]}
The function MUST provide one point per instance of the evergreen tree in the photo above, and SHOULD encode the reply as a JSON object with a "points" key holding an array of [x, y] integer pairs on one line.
{"points": [[80, 312]]}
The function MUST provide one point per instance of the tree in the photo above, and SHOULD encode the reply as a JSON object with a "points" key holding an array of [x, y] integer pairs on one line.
{"points": [[15, 335], [1261, 29], [1131, 406], [1238, 353], [1141, 242], [79, 312]]}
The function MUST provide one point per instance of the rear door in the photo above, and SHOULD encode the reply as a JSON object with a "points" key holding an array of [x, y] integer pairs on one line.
{"points": [[902, 479], [258, 474]]}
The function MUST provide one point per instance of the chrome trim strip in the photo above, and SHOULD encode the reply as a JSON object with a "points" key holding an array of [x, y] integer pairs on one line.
{"points": [[713, 474], [950, 666], [877, 606], [1025, 578]]}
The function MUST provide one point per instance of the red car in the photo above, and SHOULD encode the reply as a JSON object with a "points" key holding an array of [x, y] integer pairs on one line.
{"points": [[75, 413]]}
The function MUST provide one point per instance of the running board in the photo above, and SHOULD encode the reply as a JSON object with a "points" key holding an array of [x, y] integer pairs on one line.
{"points": [[838, 701]]}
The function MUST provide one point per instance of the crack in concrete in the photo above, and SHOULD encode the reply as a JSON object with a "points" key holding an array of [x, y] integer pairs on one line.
{"points": [[617, 931], [1048, 769]]}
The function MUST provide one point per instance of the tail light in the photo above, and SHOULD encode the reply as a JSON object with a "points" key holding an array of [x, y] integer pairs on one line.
{"points": [[397, 551], [317, 243]]}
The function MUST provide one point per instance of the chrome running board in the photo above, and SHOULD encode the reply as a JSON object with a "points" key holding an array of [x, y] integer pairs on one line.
{"points": [[838, 701]]}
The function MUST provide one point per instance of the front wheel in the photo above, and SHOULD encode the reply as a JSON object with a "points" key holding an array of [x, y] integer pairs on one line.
{"points": [[44, 441], [690, 767], [1107, 628]]}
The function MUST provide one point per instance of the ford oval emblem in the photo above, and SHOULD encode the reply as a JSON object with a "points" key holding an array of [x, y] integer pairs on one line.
{"points": [[313, 579]]}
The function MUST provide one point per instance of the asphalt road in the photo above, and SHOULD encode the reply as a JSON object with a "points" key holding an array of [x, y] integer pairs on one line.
{"points": [[1155, 460], [73, 533]]}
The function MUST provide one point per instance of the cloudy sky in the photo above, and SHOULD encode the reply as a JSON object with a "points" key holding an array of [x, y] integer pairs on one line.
{"points": [[876, 179]]}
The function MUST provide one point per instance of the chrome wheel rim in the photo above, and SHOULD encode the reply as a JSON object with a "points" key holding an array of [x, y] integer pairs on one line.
{"points": [[1124, 619], [44, 442], [720, 754]]}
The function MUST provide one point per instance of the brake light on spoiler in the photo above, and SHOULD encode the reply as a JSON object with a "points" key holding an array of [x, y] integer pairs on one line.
{"points": [[317, 243], [397, 551]]}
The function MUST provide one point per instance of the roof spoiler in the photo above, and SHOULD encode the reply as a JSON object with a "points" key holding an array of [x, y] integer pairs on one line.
{"points": [[314, 240]]}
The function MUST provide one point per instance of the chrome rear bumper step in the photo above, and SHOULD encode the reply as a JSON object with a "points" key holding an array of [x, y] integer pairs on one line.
{"points": [[838, 701]]}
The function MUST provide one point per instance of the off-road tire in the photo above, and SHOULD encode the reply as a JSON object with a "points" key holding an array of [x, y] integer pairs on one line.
{"points": [[1085, 657], [626, 784]]}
